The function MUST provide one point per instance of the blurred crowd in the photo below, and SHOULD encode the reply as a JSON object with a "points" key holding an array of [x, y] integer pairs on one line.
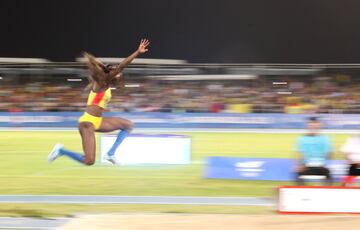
{"points": [[190, 96]]}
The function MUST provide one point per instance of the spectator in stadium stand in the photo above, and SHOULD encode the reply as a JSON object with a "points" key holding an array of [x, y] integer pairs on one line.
{"points": [[216, 107], [351, 148], [314, 150]]}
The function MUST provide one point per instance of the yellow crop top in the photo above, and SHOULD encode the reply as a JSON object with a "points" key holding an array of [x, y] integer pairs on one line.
{"points": [[100, 99]]}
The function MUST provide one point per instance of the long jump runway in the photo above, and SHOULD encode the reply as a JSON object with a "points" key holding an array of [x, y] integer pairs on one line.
{"points": [[96, 199], [32, 223]]}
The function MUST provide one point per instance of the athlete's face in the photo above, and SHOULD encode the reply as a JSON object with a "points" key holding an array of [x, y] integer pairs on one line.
{"points": [[314, 126]]}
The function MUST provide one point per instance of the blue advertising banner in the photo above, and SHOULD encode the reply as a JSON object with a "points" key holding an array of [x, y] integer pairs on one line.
{"points": [[184, 120], [278, 169]]}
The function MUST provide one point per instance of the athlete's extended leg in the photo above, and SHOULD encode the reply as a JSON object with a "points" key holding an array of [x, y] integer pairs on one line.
{"points": [[89, 146], [110, 124]]}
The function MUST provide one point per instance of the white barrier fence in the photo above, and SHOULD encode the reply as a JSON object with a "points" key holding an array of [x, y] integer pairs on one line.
{"points": [[318, 199], [149, 149]]}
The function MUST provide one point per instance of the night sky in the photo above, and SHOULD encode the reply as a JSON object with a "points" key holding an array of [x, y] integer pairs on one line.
{"points": [[237, 31]]}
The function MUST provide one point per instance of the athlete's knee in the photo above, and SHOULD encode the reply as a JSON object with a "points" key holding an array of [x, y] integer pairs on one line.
{"points": [[129, 126], [89, 160], [89, 163], [126, 125]]}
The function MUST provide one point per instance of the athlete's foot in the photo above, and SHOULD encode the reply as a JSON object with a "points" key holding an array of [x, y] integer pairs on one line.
{"points": [[55, 152], [111, 158]]}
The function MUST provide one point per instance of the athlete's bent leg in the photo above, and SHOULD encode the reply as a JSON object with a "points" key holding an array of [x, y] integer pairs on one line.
{"points": [[109, 124]]}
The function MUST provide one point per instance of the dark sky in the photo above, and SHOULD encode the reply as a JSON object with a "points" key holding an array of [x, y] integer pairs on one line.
{"points": [[239, 31]]}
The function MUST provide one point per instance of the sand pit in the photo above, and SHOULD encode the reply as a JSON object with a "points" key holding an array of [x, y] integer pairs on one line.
{"points": [[213, 222]]}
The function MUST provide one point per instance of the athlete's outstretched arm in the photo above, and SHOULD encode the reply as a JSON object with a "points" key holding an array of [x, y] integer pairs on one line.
{"points": [[141, 49]]}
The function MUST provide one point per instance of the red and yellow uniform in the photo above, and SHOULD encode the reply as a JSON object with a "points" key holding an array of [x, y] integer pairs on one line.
{"points": [[100, 99]]}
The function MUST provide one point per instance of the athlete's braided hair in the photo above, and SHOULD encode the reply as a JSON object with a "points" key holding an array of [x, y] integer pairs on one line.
{"points": [[98, 71]]}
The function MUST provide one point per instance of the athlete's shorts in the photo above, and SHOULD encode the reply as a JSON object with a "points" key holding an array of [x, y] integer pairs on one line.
{"points": [[96, 121]]}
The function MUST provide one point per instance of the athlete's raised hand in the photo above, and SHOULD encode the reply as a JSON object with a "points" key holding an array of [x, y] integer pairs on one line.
{"points": [[143, 46]]}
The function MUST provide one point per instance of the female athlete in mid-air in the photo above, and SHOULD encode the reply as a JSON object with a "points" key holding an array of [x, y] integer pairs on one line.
{"points": [[101, 78]]}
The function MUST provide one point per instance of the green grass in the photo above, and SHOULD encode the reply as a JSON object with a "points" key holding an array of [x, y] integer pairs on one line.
{"points": [[24, 168]]}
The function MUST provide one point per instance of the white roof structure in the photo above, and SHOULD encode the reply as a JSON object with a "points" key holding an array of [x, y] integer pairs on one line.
{"points": [[23, 60], [139, 60]]}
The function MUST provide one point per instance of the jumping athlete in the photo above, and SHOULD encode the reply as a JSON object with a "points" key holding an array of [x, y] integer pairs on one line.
{"points": [[101, 78]]}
